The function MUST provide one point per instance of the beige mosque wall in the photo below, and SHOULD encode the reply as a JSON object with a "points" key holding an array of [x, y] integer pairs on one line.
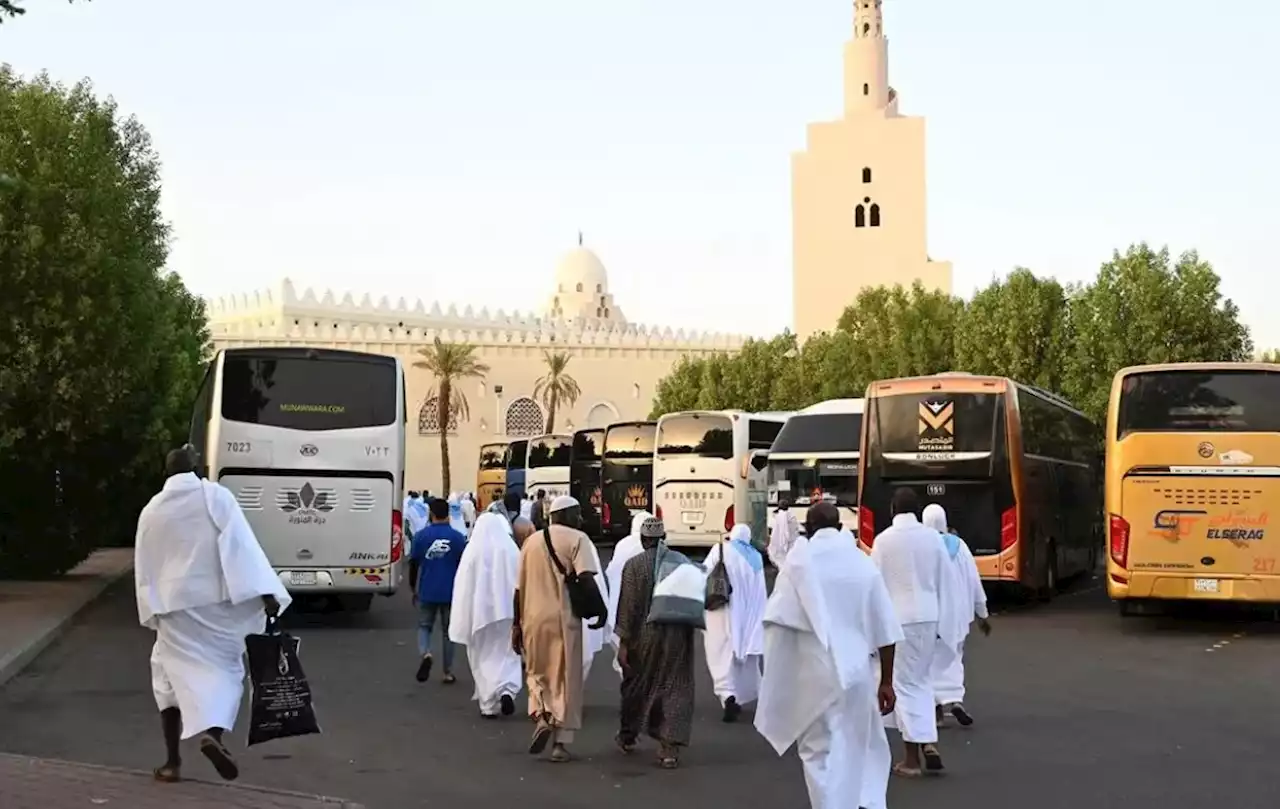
{"points": [[859, 192], [617, 364]]}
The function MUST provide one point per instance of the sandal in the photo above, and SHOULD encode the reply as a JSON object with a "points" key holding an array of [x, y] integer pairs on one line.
{"points": [[625, 746], [903, 771], [559, 755], [668, 762], [541, 735], [932, 759], [168, 774], [220, 757], [449, 679]]}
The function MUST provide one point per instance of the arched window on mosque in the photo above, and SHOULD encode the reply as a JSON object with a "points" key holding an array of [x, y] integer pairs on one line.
{"points": [[429, 418], [866, 29], [866, 89], [866, 175], [599, 288], [875, 216], [524, 418], [859, 217], [579, 287]]}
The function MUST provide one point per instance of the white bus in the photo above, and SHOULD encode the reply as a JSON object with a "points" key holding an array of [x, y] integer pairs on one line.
{"points": [[547, 467], [815, 457], [311, 442], [709, 473]]}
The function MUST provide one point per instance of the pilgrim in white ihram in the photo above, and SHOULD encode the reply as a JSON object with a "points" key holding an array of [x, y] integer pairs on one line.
{"points": [[623, 552], [202, 584], [832, 622], [782, 536], [969, 602], [915, 566], [482, 612], [734, 637]]}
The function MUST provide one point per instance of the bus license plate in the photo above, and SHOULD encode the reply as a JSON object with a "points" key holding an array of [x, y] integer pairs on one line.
{"points": [[305, 578], [691, 517], [1205, 585]]}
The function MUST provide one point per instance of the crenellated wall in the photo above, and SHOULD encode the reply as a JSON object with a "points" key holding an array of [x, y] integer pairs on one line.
{"points": [[618, 366]]}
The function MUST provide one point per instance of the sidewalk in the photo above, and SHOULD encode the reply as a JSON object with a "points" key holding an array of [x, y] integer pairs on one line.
{"points": [[34, 613], [33, 783]]}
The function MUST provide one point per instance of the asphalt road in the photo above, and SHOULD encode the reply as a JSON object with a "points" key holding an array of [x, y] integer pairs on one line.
{"points": [[1075, 707]]}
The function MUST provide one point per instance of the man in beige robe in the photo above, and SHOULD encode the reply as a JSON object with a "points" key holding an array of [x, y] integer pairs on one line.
{"points": [[546, 633]]}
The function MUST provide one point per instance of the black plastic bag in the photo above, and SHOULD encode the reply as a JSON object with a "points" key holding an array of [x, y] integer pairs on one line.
{"points": [[280, 702]]}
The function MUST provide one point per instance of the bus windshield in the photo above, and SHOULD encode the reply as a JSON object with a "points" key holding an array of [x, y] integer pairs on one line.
{"points": [[586, 446], [298, 392], [517, 452], [1199, 401], [820, 433], [805, 482], [493, 456], [546, 452], [630, 442], [935, 434], [706, 435]]}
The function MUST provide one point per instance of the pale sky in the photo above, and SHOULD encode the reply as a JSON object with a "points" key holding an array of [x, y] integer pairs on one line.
{"points": [[452, 150]]}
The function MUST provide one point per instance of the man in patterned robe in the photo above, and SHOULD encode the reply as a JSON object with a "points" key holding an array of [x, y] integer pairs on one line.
{"points": [[656, 660]]}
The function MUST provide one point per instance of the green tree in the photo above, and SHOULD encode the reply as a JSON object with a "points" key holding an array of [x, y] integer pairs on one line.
{"points": [[680, 388], [450, 364], [556, 386], [750, 379], [898, 332], [1270, 355], [10, 8], [1146, 308], [1019, 328], [99, 351]]}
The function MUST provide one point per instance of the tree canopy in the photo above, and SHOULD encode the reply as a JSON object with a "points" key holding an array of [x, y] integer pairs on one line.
{"points": [[1143, 307], [101, 351]]}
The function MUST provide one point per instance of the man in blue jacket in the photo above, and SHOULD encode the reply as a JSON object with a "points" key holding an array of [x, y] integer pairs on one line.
{"points": [[433, 564]]}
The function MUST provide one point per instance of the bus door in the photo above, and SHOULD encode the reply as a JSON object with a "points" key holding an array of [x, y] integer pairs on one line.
{"points": [[584, 478], [951, 448]]}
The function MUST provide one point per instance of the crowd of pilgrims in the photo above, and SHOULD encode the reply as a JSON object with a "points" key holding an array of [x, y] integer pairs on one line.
{"points": [[844, 646], [868, 642]]}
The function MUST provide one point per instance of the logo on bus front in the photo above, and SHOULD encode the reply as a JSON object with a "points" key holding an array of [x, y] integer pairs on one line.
{"points": [[306, 506], [937, 432], [636, 497]]}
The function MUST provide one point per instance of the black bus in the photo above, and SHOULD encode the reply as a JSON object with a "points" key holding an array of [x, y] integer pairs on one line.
{"points": [[628, 474], [1018, 470], [517, 455], [584, 477]]}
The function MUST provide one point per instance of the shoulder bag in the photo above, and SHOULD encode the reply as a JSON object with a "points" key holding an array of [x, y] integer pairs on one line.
{"points": [[585, 599]]}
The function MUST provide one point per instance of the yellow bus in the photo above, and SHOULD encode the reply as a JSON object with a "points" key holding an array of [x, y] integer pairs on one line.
{"points": [[1193, 471], [491, 477], [1017, 469]]}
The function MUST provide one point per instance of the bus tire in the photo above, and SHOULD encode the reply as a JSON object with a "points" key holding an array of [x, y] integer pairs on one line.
{"points": [[358, 602], [1050, 586]]}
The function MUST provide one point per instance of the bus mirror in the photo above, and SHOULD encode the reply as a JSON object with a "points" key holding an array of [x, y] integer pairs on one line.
{"points": [[759, 461]]}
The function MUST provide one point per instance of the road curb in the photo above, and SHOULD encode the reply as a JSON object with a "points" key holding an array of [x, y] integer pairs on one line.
{"points": [[330, 803], [13, 663]]}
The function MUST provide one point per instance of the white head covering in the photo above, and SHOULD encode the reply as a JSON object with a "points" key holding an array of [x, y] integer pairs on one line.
{"points": [[935, 516], [486, 579], [563, 502], [740, 533]]}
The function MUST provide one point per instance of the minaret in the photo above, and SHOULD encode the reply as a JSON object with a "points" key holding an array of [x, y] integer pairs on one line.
{"points": [[866, 62]]}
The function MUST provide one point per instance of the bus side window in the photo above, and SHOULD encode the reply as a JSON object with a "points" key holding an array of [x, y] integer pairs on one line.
{"points": [[201, 411]]}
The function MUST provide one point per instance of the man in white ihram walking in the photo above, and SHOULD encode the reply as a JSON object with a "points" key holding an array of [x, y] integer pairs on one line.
{"points": [[914, 563], [203, 584]]}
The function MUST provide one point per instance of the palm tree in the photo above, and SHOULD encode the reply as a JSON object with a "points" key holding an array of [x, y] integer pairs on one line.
{"points": [[450, 363], [556, 386]]}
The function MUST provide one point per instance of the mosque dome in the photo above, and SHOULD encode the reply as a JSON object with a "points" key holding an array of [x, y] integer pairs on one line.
{"points": [[581, 270]]}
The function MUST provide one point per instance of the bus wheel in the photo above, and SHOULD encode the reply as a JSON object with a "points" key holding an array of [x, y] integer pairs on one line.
{"points": [[356, 603], [1050, 588]]}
